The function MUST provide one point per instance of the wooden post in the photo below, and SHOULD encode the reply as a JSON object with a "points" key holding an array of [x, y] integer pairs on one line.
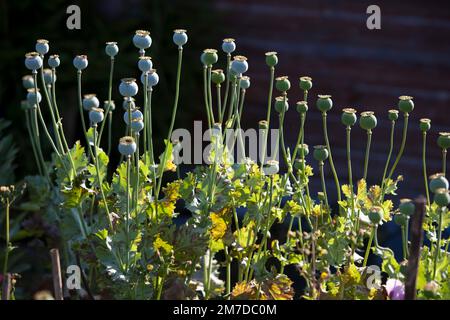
{"points": [[6, 288], [415, 248], [56, 272]]}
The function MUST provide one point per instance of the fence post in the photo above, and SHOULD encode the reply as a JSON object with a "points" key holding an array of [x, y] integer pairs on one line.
{"points": [[56, 273], [415, 248], [6, 288]]}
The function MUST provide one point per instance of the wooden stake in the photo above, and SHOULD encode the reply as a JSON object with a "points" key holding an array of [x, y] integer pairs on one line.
{"points": [[56, 272], [6, 288], [415, 248]]}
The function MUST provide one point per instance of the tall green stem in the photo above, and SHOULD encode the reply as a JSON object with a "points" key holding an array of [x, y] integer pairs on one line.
{"points": [[108, 109], [391, 148], [52, 114], [228, 280], [99, 178], [58, 117], [300, 135], [109, 132], [80, 107], [424, 166], [366, 158], [32, 141], [35, 127], [327, 142], [322, 180], [210, 96], [369, 245], [269, 107], [205, 95], [136, 191], [150, 126], [127, 217], [267, 226], [219, 103], [41, 118], [227, 87], [350, 173], [402, 146], [63, 136], [444, 161], [172, 122]]}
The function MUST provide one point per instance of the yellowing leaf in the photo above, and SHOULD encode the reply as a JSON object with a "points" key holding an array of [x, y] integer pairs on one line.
{"points": [[135, 243], [172, 190], [161, 244], [246, 235], [317, 210], [218, 228], [375, 192], [362, 188], [387, 208], [293, 207], [346, 190], [309, 171], [243, 291], [352, 275]]}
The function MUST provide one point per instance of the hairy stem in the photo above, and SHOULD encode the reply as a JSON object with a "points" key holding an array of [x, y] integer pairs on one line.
{"points": [[172, 122], [327, 142], [424, 166], [366, 158], [269, 107]]}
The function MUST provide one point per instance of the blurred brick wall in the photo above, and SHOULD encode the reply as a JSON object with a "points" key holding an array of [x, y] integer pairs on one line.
{"points": [[365, 69]]}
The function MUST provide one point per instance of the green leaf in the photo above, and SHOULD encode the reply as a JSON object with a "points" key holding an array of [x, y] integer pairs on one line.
{"points": [[103, 161]]}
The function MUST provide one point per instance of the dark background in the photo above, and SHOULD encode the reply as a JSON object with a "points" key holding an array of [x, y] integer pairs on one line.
{"points": [[325, 39]]}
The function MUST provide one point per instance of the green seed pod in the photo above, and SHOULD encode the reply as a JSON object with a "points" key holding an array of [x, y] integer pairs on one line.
{"points": [[393, 115], [368, 121], [443, 140], [401, 219], [442, 197], [320, 153], [217, 76], [302, 106], [438, 181], [263, 125], [376, 215], [209, 57], [106, 105], [282, 83], [431, 290], [281, 104], [271, 167], [271, 58], [324, 102], [348, 117], [303, 149], [299, 164], [244, 82], [407, 207], [321, 196], [404, 267], [425, 124], [405, 104], [306, 83]]}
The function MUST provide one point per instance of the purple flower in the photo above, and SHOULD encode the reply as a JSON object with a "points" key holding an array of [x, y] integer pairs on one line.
{"points": [[395, 289]]}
